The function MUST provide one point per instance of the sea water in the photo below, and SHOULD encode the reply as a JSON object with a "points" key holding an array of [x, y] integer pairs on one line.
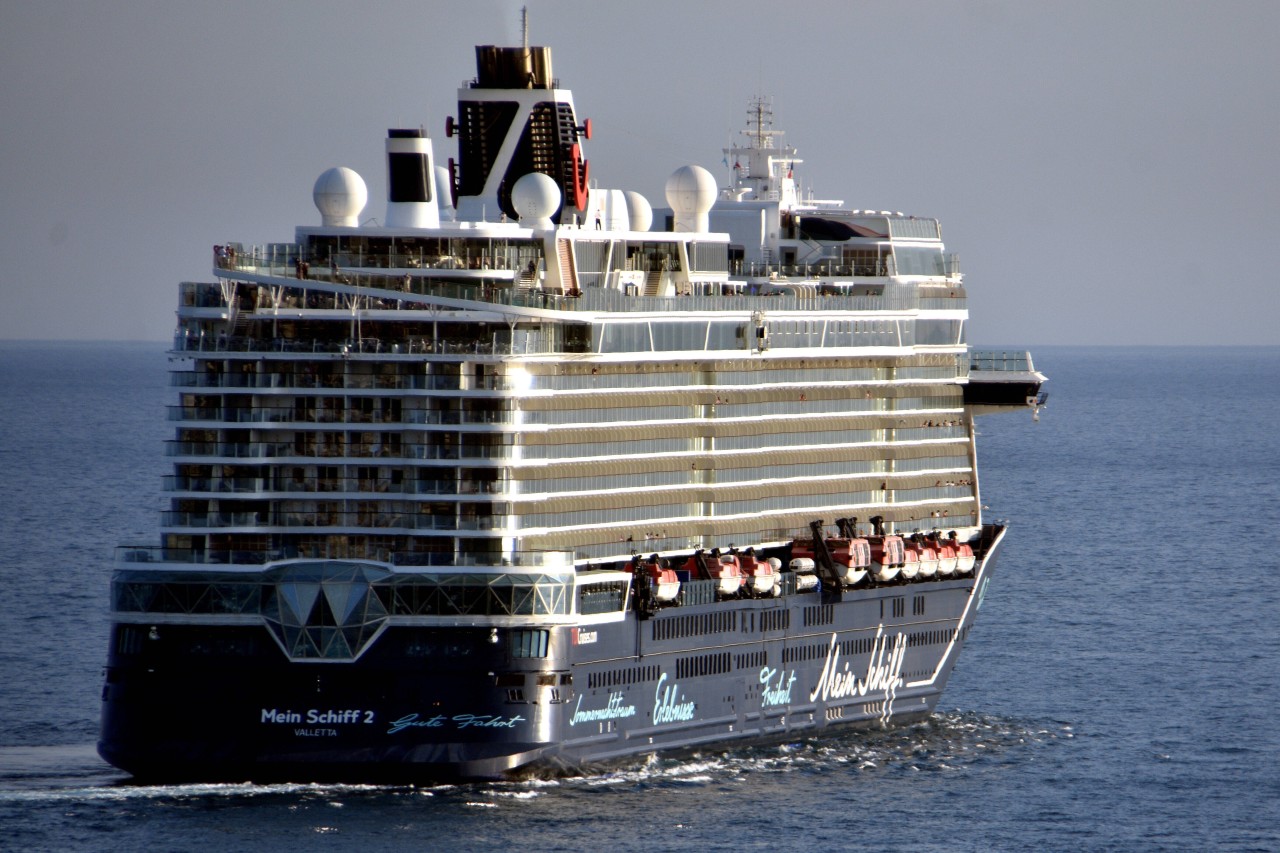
{"points": [[1120, 690]]}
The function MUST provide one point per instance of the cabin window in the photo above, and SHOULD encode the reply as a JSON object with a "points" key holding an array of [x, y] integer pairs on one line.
{"points": [[529, 643], [918, 260]]}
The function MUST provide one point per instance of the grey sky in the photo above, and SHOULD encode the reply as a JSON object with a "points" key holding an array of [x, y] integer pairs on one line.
{"points": [[1107, 171]]}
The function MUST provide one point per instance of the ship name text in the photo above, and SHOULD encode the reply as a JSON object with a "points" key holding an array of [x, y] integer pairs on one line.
{"points": [[838, 682], [315, 716], [614, 709], [669, 704]]}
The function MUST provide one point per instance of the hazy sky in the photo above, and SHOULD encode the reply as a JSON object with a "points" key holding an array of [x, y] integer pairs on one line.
{"points": [[1083, 156]]}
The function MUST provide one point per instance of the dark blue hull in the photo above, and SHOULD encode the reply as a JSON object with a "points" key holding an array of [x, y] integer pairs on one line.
{"points": [[187, 702]]}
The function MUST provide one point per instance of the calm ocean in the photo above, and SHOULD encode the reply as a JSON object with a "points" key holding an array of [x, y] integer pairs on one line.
{"points": [[1121, 690]]}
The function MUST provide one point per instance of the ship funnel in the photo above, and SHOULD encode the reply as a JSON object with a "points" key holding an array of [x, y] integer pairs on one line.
{"points": [[411, 181], [513, 67], [513, 120]]}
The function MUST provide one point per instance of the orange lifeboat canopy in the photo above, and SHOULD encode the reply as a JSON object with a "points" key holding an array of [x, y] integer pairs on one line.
{"points": [[859, 553], [888, 551], [910, 563], [729, 574]]}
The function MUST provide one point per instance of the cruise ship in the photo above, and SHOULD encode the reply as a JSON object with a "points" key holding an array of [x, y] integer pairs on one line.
{"points": [[533, 475]]}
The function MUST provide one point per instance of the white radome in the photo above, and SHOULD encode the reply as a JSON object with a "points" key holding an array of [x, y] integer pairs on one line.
{"points": [[535, 197], [691, 191], [340, 194], [640, 211]]}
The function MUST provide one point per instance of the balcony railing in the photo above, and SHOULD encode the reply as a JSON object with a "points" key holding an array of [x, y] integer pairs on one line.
{"points": [[502, 285], [129, 556], [338, 521], [287, 450], [285, 487], [290, 415], [993, 360], [338, 381], [411, 346]]}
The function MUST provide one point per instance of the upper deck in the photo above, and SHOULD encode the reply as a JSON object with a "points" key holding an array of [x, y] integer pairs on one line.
{"points": [[513, 276]]}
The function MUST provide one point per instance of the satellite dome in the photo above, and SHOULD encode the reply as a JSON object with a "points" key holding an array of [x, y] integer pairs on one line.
{"points": [[535, 197], [691, 190], [340, 195], [640, 211]]}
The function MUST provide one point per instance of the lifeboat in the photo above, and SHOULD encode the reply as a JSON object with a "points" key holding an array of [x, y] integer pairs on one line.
{"points": [[728, 574], [965, 558], [852, 558], [910, 564], [666, 583], [804, 568], [926, 555], [947, 557], [887, 557], [760, 576]]}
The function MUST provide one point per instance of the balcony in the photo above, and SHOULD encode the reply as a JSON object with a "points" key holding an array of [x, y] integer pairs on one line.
{"points": [[130, 556], [354, 522]]}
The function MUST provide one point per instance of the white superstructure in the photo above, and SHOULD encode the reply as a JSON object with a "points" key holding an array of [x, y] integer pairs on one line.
{"points": [[530, 376]]}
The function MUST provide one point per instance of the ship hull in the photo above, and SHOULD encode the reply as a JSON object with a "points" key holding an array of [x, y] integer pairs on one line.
{"points": [[450, 703]]}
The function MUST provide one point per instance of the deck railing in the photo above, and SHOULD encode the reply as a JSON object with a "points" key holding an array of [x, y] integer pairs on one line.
{"points": [[501, 285], [127, 556], [994, 360]]}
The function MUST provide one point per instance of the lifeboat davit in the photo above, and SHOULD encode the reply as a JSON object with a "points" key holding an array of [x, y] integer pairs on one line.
{"points": [[851, 559], [666, 583]]}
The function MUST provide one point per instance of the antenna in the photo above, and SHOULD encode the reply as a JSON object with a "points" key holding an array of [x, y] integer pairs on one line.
{"points": [[524, 25]]}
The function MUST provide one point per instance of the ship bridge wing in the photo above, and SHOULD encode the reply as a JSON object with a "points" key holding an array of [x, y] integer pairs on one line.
{"points": [[1003, 381]]}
